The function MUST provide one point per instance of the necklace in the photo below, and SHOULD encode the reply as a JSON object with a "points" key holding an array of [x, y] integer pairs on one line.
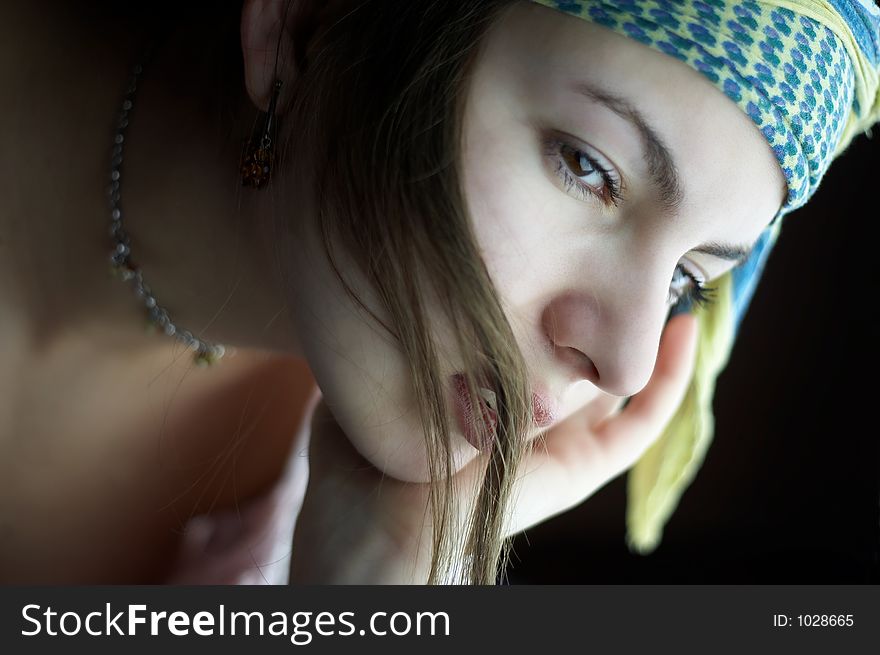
{"points": [[122, 265]]}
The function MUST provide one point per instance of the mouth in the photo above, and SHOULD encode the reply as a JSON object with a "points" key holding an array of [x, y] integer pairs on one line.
{"points": [[545, 409], [479, 427]]}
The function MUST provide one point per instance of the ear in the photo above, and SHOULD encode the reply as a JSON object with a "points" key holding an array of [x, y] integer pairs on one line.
{"points": [[270, 28]]}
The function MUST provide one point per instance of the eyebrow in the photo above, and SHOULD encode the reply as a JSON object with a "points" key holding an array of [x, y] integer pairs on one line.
{"points": [[726, 251], [661, 164]]}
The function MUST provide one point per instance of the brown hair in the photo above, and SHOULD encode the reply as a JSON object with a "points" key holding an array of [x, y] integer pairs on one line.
{"points": [[377, 112]]}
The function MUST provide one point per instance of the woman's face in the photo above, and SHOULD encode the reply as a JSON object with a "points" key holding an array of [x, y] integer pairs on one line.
{"points": [[600, 177]]}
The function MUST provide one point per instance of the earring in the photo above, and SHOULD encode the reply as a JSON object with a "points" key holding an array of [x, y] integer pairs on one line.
{"points": [[259, 153]]}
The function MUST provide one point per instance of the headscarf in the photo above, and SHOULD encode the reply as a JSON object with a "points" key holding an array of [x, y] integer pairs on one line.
{"points": [[807, 73]]}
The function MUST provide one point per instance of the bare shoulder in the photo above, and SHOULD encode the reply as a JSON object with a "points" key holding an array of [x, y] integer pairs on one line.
{"points": [[113, 464]]}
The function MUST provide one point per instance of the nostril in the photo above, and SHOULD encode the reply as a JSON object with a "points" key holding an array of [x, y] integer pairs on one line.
{"points": [[579, 365]]}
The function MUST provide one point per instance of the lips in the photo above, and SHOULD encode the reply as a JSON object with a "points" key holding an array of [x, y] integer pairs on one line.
{"points": [[481, 433], [544, 408]]}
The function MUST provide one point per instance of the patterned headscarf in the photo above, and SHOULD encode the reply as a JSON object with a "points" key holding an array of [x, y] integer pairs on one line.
{"points": [[807, 73]]}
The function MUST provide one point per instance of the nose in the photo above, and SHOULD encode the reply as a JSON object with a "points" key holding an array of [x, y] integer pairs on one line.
{"points": [[609, 338]]}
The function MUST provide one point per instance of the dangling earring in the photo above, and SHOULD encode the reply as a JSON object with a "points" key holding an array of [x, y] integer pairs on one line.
{"points": [[259, 152]]}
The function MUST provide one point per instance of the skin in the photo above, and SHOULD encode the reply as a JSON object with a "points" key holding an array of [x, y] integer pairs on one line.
{"points": [[586, 286]]}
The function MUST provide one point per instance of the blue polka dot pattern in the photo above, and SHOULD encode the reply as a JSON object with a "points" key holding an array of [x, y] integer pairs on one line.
{"points": [[789, 74]]}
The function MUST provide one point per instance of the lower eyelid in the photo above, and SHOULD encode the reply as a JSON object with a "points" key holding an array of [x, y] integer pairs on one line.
{"points": [[552, 148], [561, 174], [569, 179]]}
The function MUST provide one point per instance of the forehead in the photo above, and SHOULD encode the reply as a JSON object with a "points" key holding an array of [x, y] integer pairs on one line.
{"points": [[541, 55]]}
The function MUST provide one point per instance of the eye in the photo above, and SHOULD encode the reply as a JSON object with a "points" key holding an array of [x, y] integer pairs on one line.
{"points": [[581, 174], [687, 288]]}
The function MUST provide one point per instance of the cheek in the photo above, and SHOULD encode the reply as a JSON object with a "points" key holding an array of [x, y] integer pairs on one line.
{"points": [[506, 194], [374, 403], [364, 376], [386, 435]]}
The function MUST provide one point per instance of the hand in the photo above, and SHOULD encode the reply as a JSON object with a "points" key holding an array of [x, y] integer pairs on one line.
{"points": [[358, 525], [596, 444]]}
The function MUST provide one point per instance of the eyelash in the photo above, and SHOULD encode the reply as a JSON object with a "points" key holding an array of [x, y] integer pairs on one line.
{"points": [[555, 148], [697, 293]]}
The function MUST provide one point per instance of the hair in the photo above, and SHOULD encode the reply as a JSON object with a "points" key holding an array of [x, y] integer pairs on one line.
{"points": [[377, 108]]}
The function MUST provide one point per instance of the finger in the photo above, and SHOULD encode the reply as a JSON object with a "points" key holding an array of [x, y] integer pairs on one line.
{"points": [[308, 414], [626, 436], [564, 466], [602, 408], [572, 461], [584, 419]]}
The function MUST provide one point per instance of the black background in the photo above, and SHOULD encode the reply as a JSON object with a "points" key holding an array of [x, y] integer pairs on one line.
{"points": [[788, 492]]}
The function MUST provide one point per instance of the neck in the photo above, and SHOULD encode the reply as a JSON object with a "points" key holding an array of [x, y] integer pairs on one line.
{"points": [[202, 242]]}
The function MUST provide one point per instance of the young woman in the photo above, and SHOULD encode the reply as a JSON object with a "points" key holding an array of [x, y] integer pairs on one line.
{"points": [[454, 303]]}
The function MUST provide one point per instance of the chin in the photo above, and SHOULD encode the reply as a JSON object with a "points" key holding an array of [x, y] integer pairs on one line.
{"points": [[396, 446]]}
